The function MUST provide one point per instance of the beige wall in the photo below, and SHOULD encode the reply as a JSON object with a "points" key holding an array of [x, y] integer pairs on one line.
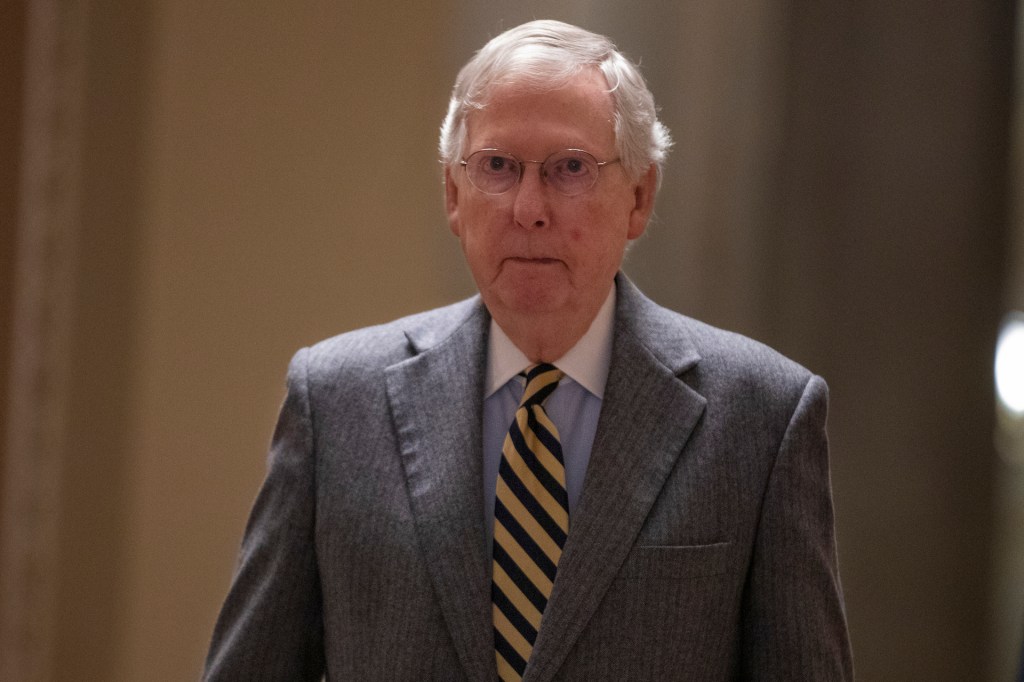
{"points": [[270, 143], [239, 180], [231, 163]]}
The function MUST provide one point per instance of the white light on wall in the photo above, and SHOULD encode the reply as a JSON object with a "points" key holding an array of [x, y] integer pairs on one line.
{"points": [[1010, 365]]}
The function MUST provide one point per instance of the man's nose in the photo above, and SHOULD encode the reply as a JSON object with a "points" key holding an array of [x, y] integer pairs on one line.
{"points": [[531, 207]]}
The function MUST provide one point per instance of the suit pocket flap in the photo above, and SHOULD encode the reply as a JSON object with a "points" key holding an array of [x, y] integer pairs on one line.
{"points": [[678, 561]]}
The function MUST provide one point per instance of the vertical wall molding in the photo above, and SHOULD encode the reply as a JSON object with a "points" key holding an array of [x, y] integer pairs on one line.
{"points": [[48, 226]]}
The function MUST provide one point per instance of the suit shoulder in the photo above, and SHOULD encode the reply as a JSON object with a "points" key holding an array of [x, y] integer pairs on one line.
{"points": [[381, 345], [680, 341], [731, 352], [746, 375], [719, 360]]}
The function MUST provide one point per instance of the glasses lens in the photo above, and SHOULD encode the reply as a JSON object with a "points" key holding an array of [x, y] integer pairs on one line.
{"points": [[571, 171], [491, 171]]}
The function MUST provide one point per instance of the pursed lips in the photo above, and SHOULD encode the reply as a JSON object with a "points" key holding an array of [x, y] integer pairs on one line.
{"points": [[523, 260]]}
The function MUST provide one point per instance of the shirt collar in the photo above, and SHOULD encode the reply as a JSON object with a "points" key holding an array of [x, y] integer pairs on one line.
{"points": [[586, 363]]}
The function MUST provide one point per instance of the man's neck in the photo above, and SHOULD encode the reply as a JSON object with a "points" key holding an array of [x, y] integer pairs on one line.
{"points": [[544, 340], [587, 362], [548, 337]]}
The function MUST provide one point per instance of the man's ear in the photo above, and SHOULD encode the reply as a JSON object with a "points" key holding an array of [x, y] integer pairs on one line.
{"points": [[643, 205], [451, 201]]}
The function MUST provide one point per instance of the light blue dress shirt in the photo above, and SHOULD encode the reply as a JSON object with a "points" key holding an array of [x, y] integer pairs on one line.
{"points": [[574, 406]]}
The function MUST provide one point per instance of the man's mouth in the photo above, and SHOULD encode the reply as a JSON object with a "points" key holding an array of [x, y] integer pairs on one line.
{"points": [[534, 261]]}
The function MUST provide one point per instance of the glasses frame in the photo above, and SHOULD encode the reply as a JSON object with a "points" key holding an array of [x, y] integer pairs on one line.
{"points": [[522, 169]]}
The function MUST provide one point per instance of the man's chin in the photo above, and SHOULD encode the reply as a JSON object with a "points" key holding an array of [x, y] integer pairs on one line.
{"points": [[533, 297]]}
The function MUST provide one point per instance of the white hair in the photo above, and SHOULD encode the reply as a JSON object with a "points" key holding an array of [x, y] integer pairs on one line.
{"points": [[548, 54]]}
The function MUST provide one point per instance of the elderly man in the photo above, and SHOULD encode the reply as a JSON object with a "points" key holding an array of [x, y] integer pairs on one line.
{"points": [[558, 479]]}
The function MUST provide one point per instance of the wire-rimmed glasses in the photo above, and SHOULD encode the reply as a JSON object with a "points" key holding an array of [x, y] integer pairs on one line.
{"points": [[569, 171]]}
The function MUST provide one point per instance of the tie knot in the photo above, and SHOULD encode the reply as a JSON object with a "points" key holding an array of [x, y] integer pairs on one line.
{"points": [[541, 381]]}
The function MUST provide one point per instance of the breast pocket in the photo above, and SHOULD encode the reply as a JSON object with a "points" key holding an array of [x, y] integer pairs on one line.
{"points": [[670, 609], [678, 562]]}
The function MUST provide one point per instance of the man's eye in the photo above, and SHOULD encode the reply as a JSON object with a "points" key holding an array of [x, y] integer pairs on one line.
{"points": [[497, 164], [571, 167]]}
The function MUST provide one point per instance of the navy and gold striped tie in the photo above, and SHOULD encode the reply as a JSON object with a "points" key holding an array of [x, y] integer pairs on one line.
{"points": [[531, 520]]}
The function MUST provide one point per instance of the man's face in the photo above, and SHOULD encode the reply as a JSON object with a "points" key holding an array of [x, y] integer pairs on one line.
{"points": [[533, 251]]}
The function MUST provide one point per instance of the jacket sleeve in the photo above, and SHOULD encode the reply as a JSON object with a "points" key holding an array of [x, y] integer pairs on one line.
{"points": [[794, 622], [270, 626]]}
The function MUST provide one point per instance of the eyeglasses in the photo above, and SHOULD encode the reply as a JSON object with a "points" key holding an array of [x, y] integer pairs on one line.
{"points": [[569, 172]]}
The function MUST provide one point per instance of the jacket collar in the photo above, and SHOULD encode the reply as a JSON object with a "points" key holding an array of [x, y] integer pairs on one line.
{"points": [[647, 416]]}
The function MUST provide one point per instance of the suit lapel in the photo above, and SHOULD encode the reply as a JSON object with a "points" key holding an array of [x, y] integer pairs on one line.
{"points": [[629, 464], [436, 402]]}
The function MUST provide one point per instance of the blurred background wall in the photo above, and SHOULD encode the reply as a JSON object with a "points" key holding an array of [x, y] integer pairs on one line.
{"points": [[191, 191]]}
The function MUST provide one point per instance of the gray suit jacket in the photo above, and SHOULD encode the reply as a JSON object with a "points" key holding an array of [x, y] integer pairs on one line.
{"points": [[702, 547]]}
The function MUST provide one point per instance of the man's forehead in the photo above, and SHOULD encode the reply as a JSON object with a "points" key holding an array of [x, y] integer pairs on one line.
{"points": [[513, 86], [579, 109]]}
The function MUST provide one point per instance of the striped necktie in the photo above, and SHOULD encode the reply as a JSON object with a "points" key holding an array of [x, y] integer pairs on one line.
{"points": [[531, 520]]}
